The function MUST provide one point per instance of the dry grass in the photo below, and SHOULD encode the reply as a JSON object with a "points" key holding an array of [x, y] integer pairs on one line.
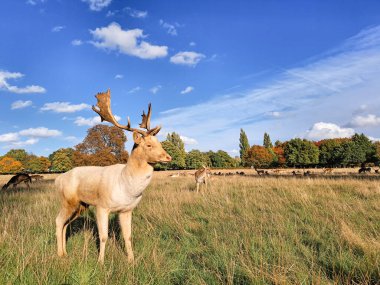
{"points": [[242, 230]]}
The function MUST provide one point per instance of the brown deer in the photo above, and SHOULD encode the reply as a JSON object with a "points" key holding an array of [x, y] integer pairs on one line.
{"points": [[17, 179], [201, 176], [327, 170], [116, 188]]}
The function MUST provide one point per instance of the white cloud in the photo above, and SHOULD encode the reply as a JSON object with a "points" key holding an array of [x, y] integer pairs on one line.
{"points": [[64, 107], [188, 89], [40, 132], [34, 2], [57, 29], [323, 130], [127, 42], [19, 104], [155, 89], [365, 121], [90, 122], [188, 141], [23, 143], [97, 5], [9, 137], [119, 76], [170, 29], [4, 85], [76, 42], [134, 90], [192, 44], [136, 13], [189, 58]]}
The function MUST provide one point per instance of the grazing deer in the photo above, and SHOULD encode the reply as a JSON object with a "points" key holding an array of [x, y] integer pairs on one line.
{"points": [[327, 170], [296, 173], [364, 169], [174, 175], [116, 188], [260, 172], [201, 176], [36, 177], [17, 179]]}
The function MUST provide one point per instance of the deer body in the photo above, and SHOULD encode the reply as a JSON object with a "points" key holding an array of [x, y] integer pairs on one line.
{"points": [[116, 188], [201, 176]]}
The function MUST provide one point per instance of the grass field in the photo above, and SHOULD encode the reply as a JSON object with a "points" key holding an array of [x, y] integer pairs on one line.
{"points": [[242, 230]]}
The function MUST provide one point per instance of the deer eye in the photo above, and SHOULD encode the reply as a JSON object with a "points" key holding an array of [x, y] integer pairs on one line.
{"points": [[149, 145]]}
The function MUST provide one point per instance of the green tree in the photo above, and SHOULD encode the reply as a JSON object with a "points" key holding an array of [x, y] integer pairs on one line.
{"points": [[243, 145], [18, 154], [175, 139], [62, 160], [267, 142], [195, 159], [37, 164], [330, 152], [178, 157], [377, 152], [222, 159], [365, 145], [301, 152]]}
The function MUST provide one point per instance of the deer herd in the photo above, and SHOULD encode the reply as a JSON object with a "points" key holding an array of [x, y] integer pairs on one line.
{"points": [[119, 188]]}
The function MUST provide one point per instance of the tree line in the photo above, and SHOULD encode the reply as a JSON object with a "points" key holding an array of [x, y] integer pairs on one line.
{"points": [[105, 145]]}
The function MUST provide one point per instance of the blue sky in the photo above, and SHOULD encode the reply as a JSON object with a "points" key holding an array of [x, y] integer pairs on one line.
{"points": [[291, 68]]}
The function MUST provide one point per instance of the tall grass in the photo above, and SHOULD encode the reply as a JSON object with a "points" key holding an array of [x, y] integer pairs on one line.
{"points": [[242, 230]]}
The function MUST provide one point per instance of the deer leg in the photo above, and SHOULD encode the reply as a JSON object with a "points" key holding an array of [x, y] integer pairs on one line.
{"points": [[27, 184], [126, 228], [197, 187], [61, 223], [102, 220]]}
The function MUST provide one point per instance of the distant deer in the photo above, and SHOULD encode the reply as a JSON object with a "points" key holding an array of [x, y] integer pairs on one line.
{"points": [[328, 170], [201, 176], [296, 173], [364, 169], [36, 177], [116, 188], [17, 179], [174, 175], [260, 172]]}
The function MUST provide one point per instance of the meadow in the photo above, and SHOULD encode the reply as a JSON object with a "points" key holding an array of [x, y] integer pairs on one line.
{"points": [[242, 230]]}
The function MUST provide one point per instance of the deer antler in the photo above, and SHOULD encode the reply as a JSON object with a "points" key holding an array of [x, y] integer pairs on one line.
{"points": [[105, 113]]}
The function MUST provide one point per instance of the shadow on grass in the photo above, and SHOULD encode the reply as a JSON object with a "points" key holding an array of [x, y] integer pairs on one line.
{"points": [[87, 221]]}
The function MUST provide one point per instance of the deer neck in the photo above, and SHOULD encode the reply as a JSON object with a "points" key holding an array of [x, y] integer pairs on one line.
{"points": [[137, 166]]}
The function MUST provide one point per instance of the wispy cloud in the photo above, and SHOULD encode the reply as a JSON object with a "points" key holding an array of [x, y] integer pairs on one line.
{"points": [[57, 29], [129, 42], [155, 89], [19, 104], [136, 13], [336, 77], [189, 58], [119, 76], [134, 90], [64, 107], [363, 121], [188, 89], [97, 5], [5, 76], [170, 28], [76, 42]]}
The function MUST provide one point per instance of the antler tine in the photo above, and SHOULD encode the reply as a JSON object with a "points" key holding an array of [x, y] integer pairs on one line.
{"points": [[105, 113], [145, 124]]}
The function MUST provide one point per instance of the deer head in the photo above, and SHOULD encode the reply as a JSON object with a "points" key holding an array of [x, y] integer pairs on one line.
{"points": [[146, 145]]}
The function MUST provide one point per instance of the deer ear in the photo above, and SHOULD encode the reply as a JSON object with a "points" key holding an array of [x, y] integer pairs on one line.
{"points": [[137, 138]]}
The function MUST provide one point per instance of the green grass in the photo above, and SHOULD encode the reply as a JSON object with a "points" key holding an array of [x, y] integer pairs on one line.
{"points": [[243, 230]]}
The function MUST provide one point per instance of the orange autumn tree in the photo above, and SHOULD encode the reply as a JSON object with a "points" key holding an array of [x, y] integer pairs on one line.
{"points": [[280, 157], [10, 165], [258, 156]]}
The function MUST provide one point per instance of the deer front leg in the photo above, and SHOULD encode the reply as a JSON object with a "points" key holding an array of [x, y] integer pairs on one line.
{"points": [[197, 187], [102, 221], [126, 228]]}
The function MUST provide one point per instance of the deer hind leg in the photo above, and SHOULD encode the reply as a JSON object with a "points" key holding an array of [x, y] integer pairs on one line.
{"points": [[197, 187], [126, 228], [102, 221], [61, 222]]}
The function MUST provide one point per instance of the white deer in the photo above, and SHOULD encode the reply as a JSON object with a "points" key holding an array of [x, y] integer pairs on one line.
{"points": [[116, 188]]}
